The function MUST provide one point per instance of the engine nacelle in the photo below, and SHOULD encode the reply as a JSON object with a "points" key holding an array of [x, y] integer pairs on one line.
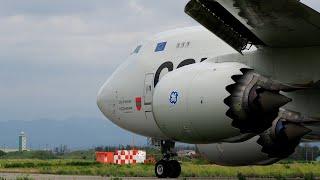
{"points": [[237, 154], [281, 139], [188, 103], [213, 102], [276, 143]]}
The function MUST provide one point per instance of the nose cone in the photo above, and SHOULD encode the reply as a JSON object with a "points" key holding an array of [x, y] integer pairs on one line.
{"points": [[105, 100], [100, 99]]}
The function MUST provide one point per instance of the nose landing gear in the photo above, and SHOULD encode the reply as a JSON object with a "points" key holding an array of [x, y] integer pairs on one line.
{"points": [[167, 167]]}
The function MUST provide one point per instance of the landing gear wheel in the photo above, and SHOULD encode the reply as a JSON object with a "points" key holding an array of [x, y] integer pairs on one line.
{"points": [[166, 167], [162, 169], [175, 169]]}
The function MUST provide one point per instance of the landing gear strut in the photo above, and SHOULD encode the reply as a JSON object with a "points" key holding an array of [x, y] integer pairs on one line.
{"points": [[167, 167]]}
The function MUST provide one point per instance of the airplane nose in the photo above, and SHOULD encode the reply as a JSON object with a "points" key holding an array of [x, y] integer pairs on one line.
{"points": [[100, 99], [104, 100]]}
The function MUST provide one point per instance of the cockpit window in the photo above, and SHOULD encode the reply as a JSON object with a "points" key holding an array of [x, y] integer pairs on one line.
{"points": [[136, 51]]}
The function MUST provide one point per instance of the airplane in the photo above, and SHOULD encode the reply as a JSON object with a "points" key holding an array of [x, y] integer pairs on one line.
{"points": [[200, 85]]}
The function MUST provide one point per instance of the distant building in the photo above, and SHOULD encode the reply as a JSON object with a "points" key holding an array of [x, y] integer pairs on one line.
{"points": [[186, 153], [22, 142], [7, 150]]}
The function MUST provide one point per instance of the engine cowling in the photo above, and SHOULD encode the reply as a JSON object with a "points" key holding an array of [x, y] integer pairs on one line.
{"points": [[236, 154], [213, 102], [276, 143], [188, 102]]}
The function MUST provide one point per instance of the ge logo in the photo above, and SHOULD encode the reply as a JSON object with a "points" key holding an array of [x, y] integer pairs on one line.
{"points": [[173, 99]]}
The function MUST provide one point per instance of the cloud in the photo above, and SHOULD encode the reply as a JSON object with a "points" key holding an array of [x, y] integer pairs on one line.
{"points": [[139, 8], [55, 55]]}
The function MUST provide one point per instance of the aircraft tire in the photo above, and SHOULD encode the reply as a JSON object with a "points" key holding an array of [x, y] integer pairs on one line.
{"points": [[162, 169], [175, 169]]}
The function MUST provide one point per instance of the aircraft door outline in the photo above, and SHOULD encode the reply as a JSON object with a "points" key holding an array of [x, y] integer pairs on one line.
{"points": [[148, 88]]}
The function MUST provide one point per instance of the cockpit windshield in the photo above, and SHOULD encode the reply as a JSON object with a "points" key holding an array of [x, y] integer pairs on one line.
{"points": [[136, 51]]}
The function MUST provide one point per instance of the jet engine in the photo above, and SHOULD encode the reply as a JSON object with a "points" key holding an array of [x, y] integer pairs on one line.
{"points": [[236, 154], [213, 102], [281, 139], [276, 143]]}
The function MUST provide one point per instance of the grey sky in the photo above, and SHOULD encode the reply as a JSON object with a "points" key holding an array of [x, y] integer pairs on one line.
{"points": [[55, 54]]}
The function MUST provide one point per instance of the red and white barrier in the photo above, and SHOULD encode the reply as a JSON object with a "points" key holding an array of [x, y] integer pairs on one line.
{"points": [[129, 156]]}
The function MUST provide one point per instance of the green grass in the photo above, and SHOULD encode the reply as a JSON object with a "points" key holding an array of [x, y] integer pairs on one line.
{"points": [[189, 169], [82, 155], [29, 155]]}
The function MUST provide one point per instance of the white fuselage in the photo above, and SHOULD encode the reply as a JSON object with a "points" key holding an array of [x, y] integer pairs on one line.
{"points": [[117, 97], [127, 97]]}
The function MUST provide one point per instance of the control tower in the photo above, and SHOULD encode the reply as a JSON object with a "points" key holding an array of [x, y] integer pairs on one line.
{"points": [[22, 142]]}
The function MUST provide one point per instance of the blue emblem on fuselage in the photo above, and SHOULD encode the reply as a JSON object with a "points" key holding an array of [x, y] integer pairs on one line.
{"points": [[160, 46], [173, 99]]}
